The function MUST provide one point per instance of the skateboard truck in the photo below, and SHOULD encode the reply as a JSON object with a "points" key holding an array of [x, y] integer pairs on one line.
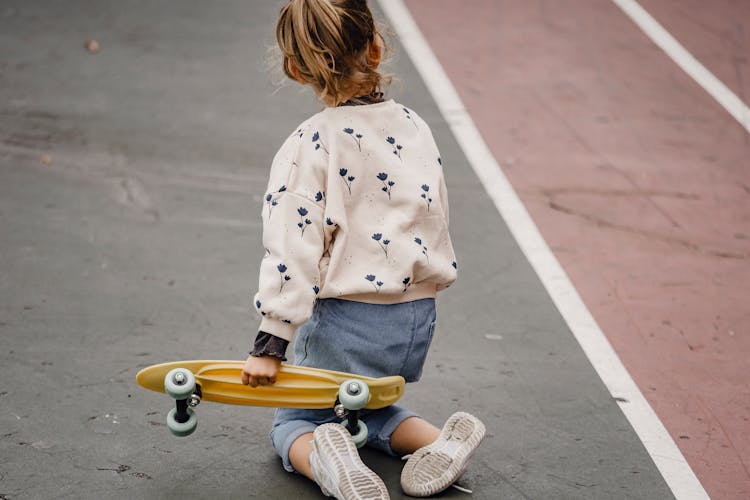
{"points": [[180, 384], [195, 398], [182, 405], [353, 396]]}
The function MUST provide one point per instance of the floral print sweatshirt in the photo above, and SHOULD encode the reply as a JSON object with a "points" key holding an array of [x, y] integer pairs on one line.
{"points": [[356, 208]]}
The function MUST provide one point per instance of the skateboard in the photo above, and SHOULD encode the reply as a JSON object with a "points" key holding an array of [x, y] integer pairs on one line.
{"points": [[190, 382]]}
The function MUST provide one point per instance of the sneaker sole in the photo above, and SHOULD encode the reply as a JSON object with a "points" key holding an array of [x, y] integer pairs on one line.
{"points": [[435, 467], [355, 480]]}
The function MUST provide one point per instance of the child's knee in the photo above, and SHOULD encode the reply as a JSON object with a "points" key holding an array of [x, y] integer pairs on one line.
{"points": [[284, 435]]}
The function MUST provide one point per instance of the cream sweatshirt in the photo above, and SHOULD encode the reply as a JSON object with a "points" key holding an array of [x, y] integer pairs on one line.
{"points": [[356, 208]]}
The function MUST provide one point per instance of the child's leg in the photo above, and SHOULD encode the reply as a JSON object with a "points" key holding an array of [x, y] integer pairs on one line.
{"points": [[412, 434], [299, 454], [292, 430]]}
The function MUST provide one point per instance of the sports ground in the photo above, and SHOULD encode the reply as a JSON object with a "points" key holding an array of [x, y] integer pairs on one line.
{"points": [[597, 155]]}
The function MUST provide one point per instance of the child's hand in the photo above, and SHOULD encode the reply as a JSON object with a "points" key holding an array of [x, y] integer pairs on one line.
{"points": [[260, 370]]}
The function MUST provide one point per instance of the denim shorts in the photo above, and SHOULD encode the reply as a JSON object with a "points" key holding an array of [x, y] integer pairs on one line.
{"points": [[374, 340]]}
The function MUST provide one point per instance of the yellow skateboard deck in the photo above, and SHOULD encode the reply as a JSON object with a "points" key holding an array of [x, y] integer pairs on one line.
{"points": [[295, 387]]}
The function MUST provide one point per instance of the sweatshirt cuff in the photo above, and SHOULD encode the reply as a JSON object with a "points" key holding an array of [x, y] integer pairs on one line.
{"points": [[269, 345], [277, 328]]}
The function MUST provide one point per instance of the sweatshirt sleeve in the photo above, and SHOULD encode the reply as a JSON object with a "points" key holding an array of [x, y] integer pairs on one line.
{"points": [[293, 236]]}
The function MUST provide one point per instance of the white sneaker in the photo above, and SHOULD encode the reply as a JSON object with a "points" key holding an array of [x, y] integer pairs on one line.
{"points": [[337, 468], [433, 468]]}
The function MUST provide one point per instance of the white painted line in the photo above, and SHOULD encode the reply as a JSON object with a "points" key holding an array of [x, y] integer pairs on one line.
{"points": [[685, 60], [660, 446]]}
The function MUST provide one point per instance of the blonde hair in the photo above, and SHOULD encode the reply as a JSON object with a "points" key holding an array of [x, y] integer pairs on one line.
{"points": [[328, 43]]}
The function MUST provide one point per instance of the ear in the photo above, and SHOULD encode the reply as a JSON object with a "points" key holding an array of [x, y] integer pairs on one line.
{"points": [[375, 52]]}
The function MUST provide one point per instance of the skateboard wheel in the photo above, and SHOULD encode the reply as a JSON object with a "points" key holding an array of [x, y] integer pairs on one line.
{"points": [[360, 438], [182, 429], [354, 394], [179, 383]]}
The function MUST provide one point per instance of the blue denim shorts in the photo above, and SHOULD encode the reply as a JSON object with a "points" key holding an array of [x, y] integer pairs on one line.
{"points": [[374, 340]]}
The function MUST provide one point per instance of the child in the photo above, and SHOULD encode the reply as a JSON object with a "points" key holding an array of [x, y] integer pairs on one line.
{"points": [[357, 246]]}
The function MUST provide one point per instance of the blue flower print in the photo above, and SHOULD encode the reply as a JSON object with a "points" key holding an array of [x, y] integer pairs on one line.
{"points": [[271, 201], [299, 133], [347, 180], [383, 243], [387, 185], [319, 142], [396, 147], [409, 117], [375, 284], [440, 161], [329, 222], [320, 196], [282, 276], [304, 222], [418, 241], [426, 195], [357, 137], [454, 264], [407, 283], [258, 307], [316, 289]]}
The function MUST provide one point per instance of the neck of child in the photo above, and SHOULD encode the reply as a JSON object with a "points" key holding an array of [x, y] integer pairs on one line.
{"points": [[349, 96]]}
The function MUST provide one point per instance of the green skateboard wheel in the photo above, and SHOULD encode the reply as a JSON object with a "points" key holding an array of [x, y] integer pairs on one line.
{"points": [[360, 438], [354, 394], [182, 429], [179, 383]]}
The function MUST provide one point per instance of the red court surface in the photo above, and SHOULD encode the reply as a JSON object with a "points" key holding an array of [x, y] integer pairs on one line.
{"points": [[639, 182]]}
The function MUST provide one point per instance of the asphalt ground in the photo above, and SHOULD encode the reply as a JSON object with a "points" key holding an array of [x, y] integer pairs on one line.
{"points": [[130, 193]]}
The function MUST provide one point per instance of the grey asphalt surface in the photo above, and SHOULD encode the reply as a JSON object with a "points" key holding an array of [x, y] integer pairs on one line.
{"points": [[130, 193]]}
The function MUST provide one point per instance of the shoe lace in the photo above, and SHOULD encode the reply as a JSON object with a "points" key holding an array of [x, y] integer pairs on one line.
{"points": [[461, 488]]}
